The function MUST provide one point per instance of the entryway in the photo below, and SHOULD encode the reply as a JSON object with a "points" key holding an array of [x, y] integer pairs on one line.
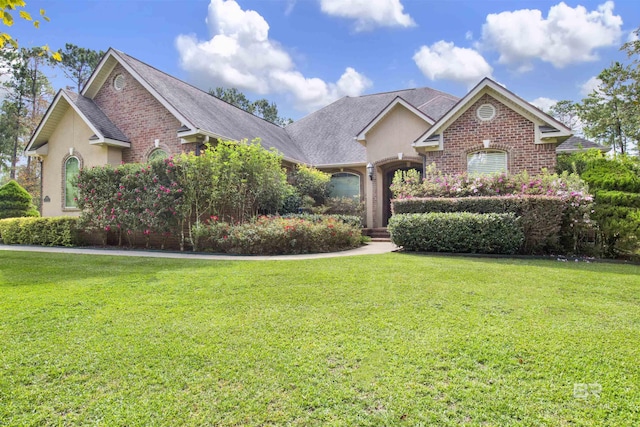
{"points": [[389, 172]]}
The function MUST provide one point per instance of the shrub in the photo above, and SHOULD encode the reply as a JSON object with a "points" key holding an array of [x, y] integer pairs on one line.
{"points": [[278, 236], [311, 182], [605, 174], [351, 220], [541, 216], [16, 202], [51, 231], [457, 232]]}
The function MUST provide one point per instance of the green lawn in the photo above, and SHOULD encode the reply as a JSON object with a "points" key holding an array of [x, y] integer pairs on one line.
{"points": [[391, 339]]}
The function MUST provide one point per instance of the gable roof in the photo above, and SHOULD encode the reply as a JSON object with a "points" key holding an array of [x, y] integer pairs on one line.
{"points": [[487, 85], [396, 101], [105, 131], [576, 143], [327, 136], [196, 109]]}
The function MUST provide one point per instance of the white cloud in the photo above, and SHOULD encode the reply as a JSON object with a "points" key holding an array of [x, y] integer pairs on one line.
{"points": [[445, 61], [567, 35], [241, 55], [589, 86], [544, 103], [369, 14], [468, 35], [633, 36]]}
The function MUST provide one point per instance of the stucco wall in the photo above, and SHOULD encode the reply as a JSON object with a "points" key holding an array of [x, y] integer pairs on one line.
{"points": [[139, 116], [71, 132], [392, 135], [509, 131]]}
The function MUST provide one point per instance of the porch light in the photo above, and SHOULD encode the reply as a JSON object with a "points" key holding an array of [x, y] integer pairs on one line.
{"points": [[370, 171]]}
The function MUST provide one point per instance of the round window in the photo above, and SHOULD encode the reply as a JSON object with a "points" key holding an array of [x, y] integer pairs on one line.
{"points": [[486, 112], [119, 82]]}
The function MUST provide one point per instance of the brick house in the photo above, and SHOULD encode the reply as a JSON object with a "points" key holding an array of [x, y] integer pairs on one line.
{"points": [[131, 112]]}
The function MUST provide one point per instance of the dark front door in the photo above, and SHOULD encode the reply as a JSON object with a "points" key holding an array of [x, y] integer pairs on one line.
{"points": [[388, 179]]}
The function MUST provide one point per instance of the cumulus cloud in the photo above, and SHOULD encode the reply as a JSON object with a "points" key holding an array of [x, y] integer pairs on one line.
{"points": [[567, 35], [445, 61], [369, 14], [544, 103], [240, 54], [589, 86]]}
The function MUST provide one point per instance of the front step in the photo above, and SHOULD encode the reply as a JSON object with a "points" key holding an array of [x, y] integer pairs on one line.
{"points": [[377, 234]]}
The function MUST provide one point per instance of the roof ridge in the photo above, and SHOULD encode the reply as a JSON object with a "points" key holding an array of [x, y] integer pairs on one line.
{"points": [[194, 87]]}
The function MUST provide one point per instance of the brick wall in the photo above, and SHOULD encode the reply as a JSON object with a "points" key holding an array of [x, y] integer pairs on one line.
{"points": [[508, 131], [140, 116]]}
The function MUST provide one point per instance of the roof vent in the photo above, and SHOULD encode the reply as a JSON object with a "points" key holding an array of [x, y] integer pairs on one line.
{"points": [[486, 112], [119, 82]]}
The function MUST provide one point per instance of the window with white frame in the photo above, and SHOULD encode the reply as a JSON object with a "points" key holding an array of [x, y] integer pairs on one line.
{"points": [[345, 184], [71, 171], [158, 154], [487, 162]]}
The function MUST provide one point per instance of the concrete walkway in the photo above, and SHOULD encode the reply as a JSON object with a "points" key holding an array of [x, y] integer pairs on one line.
{"points": [[372, 248]]}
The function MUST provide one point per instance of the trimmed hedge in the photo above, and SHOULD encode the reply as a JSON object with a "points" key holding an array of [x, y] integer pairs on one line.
{"points": [[50, 231], [15, 202], [541, 216], [277, 236], [463, 232]]}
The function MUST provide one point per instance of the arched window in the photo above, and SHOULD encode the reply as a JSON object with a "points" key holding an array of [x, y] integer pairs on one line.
{"points": [[487, 162], [71, 171], [158, 154], [345, 184]]}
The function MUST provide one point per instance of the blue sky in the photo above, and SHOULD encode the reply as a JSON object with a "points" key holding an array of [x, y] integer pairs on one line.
{"points": [[304, 54]]}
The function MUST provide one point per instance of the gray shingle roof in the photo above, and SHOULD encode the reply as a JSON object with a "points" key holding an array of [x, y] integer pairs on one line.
{"points": [[95, 115], [576, 143], [327, 135], [211, 114]]}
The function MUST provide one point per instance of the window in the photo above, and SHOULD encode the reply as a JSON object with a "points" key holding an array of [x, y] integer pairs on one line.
{"points": [[157, 155], [71, 171], [345, 184], [487, 162]]}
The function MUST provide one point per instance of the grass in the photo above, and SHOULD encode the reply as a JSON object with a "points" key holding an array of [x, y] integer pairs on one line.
{"points": [[391, 339]]}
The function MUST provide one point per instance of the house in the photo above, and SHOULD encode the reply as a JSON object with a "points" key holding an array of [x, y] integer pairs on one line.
{"points": [[131, 112]]}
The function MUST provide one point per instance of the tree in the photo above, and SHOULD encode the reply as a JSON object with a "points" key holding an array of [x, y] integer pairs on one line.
{"points": [[261, 108], [610, 112], [7, 10], [28, 95], [566, 112], [77, 63]]}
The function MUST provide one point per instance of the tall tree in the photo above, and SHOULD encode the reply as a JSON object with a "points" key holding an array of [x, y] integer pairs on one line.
{"points": [[261, 108], [28, 95], [610, 112], [77, 63], [566, 112]]}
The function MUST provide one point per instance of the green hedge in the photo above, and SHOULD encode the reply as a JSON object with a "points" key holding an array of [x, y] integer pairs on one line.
{"points": [[51, 231], [541, 216], [619, 198], [463, 232]]}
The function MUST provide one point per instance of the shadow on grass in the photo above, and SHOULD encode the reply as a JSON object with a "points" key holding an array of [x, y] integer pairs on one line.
{"points": [[576, 263]]}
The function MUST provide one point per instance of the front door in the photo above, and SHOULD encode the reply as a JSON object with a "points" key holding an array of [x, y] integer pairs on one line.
{"points": [[387, 196]]}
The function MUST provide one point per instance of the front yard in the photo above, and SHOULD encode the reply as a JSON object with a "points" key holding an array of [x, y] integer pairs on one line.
{"points": [[391, 339]]}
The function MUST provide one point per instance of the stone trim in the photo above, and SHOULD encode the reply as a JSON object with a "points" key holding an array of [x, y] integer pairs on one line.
{"points": [[63, 186]]}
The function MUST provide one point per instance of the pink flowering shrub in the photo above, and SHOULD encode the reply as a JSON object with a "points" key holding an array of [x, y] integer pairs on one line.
{"points": [[274, 235], [130, 200]]}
